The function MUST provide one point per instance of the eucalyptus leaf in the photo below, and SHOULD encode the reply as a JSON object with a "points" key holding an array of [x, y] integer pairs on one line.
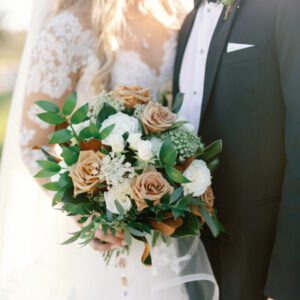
{"points": [[176, 195], [212, 151], [167, 153], [70, 155], [47, 106], [213, 226], [119, 207], [80, 114], [49, 165], [106, 111], [57, 198], [69, 105], [60, 137], [177, 103], [51, 118], [73, 239], [106, 132], [175, 175], [52, 186], [45, 174]]}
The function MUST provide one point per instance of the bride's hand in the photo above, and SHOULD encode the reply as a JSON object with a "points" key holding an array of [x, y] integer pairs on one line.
{"points": [[104, 243]]}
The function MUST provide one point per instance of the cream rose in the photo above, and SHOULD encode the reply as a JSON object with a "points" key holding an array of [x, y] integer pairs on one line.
{"points": [[157, 118], [144, 150], [118, 193], [132, 95], [116, 142], [151, 186], [86, 173], [200, 177]]}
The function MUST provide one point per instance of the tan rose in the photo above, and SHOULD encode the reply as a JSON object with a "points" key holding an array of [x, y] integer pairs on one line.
{"points": [[150, 186], [157, 118], [85, 174], [132, 95]]}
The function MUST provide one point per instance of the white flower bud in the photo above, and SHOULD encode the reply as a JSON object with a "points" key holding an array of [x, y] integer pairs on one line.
{"points": [[134, 139]]}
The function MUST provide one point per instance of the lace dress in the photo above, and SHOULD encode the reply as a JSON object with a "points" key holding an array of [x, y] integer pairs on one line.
{"points": [[64, 50]]}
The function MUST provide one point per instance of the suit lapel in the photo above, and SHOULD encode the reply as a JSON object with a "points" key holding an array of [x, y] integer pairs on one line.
{"points": [[216, 50], [182, 43]]}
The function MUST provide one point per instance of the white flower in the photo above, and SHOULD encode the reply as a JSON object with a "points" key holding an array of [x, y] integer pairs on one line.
{"points": [[156, 145], [118, 193], [123, 123], [144, 149], [200, 177], [116, 142], [134, 139]]}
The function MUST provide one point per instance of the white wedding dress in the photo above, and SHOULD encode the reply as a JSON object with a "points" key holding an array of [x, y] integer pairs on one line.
{"points": [[33, 264]]}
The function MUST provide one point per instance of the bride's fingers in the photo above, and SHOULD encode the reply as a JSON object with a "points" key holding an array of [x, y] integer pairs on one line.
{"points": [[97, 245], [109, 238]]}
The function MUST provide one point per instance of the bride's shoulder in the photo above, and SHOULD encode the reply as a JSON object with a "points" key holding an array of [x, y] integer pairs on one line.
{"points": [[69, 24]]}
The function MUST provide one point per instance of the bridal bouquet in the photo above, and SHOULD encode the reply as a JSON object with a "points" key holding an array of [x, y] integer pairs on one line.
{"points": [[129, 164]]}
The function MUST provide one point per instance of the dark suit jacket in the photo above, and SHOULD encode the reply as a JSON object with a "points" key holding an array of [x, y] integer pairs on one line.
{"points": [[252, 102]]}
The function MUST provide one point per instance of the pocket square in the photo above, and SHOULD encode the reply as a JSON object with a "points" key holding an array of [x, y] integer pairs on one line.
{"points": [[235, 47]]}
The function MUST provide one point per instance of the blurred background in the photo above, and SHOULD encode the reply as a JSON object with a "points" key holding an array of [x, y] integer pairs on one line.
{"points": [[14, 22]]}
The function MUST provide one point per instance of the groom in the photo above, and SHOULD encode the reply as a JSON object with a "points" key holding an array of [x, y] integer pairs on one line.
{"points": [[238, 64]]}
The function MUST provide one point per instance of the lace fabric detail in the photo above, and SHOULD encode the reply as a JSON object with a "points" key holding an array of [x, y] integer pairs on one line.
{"points": [[63, 48]]}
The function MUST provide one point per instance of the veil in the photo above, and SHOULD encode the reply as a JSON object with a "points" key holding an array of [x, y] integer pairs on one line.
{"points": [[31, 261]]}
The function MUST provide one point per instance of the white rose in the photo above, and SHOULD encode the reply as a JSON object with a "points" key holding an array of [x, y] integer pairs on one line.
{"points": [[200, 177], [118, 193], [156, 145], [144, 149], [116, 142], [134, 139], [123, 123]]}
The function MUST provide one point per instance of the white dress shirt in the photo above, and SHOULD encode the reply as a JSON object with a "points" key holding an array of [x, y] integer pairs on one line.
{"points": [[192, 73]]}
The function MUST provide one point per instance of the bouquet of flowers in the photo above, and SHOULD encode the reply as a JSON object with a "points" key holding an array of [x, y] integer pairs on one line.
{"points": [[129, 164]]}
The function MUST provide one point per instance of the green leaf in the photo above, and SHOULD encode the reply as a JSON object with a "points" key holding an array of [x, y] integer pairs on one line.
{"points": [[136, 232], [51, 118], [212, 151], [175, 175], [213, 226], [45, 174], [73, 239], [69, 105], [60, 137], [80, 114], [155, 237], [127, 236], [94, 130], [49, 165], [213, 165], [65, 181], [47, 106], [177, 103], [167, 153], [85, 133], [106, 132], [106, 111], [190, 227], [184, 202], [176, 195], [52, 186], [57, 198], [119, 207], [70, 155]]}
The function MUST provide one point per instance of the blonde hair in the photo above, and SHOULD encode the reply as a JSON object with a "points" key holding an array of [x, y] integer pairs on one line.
{"points": [[108, 24]]}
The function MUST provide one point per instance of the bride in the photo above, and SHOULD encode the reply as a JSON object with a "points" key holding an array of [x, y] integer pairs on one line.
{"points": [[86, 46]]}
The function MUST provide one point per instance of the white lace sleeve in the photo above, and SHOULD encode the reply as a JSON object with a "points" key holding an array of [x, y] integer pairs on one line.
{"points": [[62, 50]]}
